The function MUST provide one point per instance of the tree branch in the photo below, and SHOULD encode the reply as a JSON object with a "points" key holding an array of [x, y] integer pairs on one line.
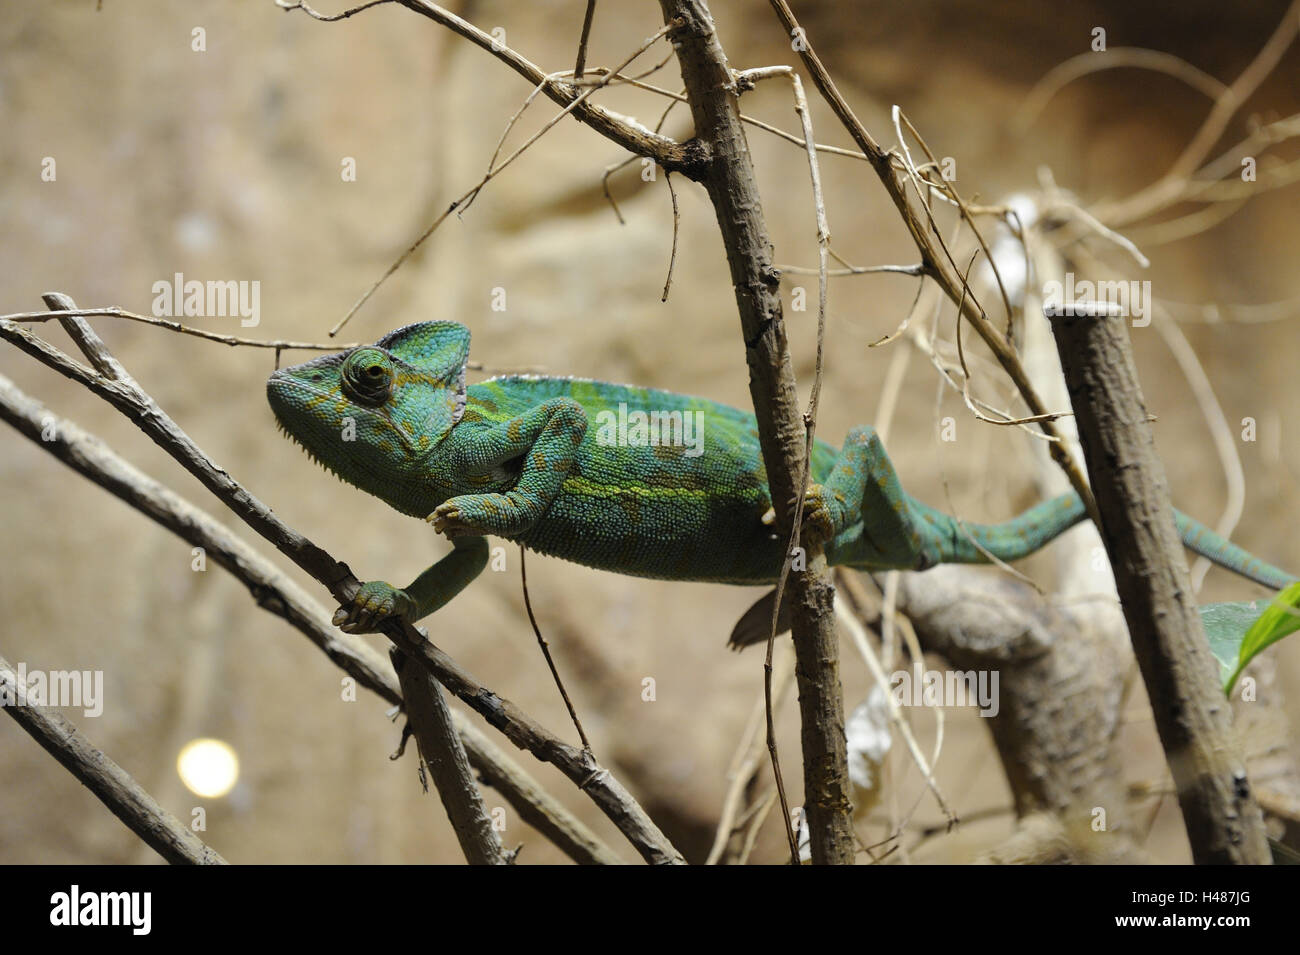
{"points": [[110, 783], [519, 728], [729, 180], [1223, 820], [441, 750]]}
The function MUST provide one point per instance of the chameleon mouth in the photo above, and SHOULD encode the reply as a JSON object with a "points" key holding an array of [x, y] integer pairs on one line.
{"points": [[278, 389]]}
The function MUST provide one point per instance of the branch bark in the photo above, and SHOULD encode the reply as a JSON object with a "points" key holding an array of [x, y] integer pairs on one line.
{"points": [[442, 752], [1223, 820], [729, 180], [110, 783]]}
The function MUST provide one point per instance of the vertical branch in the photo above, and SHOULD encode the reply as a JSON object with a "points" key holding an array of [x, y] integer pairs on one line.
{"points": [[729, 179], [1223, 820], [441, 749]]}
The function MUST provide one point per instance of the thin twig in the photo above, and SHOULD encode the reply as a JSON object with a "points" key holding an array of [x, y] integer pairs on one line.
{"points": [[1220, 432], [546, 651], [1120, 57], [582, 42], [672, 258], [917, 269], [745, 763], [233, 340]]}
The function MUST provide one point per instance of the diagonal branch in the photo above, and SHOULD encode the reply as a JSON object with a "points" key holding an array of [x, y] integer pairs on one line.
{"points": [[934, 256], [276, 593], [520, 728], [110, 783]]}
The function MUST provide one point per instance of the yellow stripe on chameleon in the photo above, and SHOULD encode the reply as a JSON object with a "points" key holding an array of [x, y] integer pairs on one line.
{"points": [[586, 488]]}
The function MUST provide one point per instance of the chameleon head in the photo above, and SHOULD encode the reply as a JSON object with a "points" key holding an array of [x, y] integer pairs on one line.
{"points": [[374, 414]]}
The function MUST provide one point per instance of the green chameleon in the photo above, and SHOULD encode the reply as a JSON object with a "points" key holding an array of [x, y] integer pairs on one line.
{"points": [[633, 480]]}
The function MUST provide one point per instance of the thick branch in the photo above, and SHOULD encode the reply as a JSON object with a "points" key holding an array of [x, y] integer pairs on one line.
{"points": [[442, 752], [110, 783], [1223, 820], [729, 180]]}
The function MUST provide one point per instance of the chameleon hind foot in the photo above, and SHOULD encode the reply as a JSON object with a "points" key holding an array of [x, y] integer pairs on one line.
{"points": [[373, 603], [818, 521]]}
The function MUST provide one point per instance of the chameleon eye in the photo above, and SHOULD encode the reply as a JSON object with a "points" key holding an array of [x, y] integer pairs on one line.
{"points": [[368, 376]]}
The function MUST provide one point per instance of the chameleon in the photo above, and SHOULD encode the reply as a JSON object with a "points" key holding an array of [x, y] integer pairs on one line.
{"points": [[633, 480]]}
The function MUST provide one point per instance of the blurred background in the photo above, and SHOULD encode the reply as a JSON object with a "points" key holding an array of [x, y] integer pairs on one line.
{"points": [[225, 164]]}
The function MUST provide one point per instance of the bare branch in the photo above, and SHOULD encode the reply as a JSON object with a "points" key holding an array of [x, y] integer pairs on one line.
{"points": [[519, 728], [1223, 820], [276, 593], [733, 191], [110, 783], [442, 752]]}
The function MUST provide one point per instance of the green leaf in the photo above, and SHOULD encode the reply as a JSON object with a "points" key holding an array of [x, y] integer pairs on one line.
{"points": [[1237, 632], [1225, 626], [1280, 618]]}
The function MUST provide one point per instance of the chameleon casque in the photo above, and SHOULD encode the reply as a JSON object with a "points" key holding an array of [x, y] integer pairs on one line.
{"points": [[520, 457]]}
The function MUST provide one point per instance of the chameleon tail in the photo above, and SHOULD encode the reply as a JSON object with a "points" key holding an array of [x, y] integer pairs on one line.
{"points": [[962, 542], [1199, 538], [946, 540]]}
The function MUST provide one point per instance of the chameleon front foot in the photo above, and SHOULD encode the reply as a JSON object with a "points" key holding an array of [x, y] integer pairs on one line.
{"points": [[449, 520], [374, 602]]}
